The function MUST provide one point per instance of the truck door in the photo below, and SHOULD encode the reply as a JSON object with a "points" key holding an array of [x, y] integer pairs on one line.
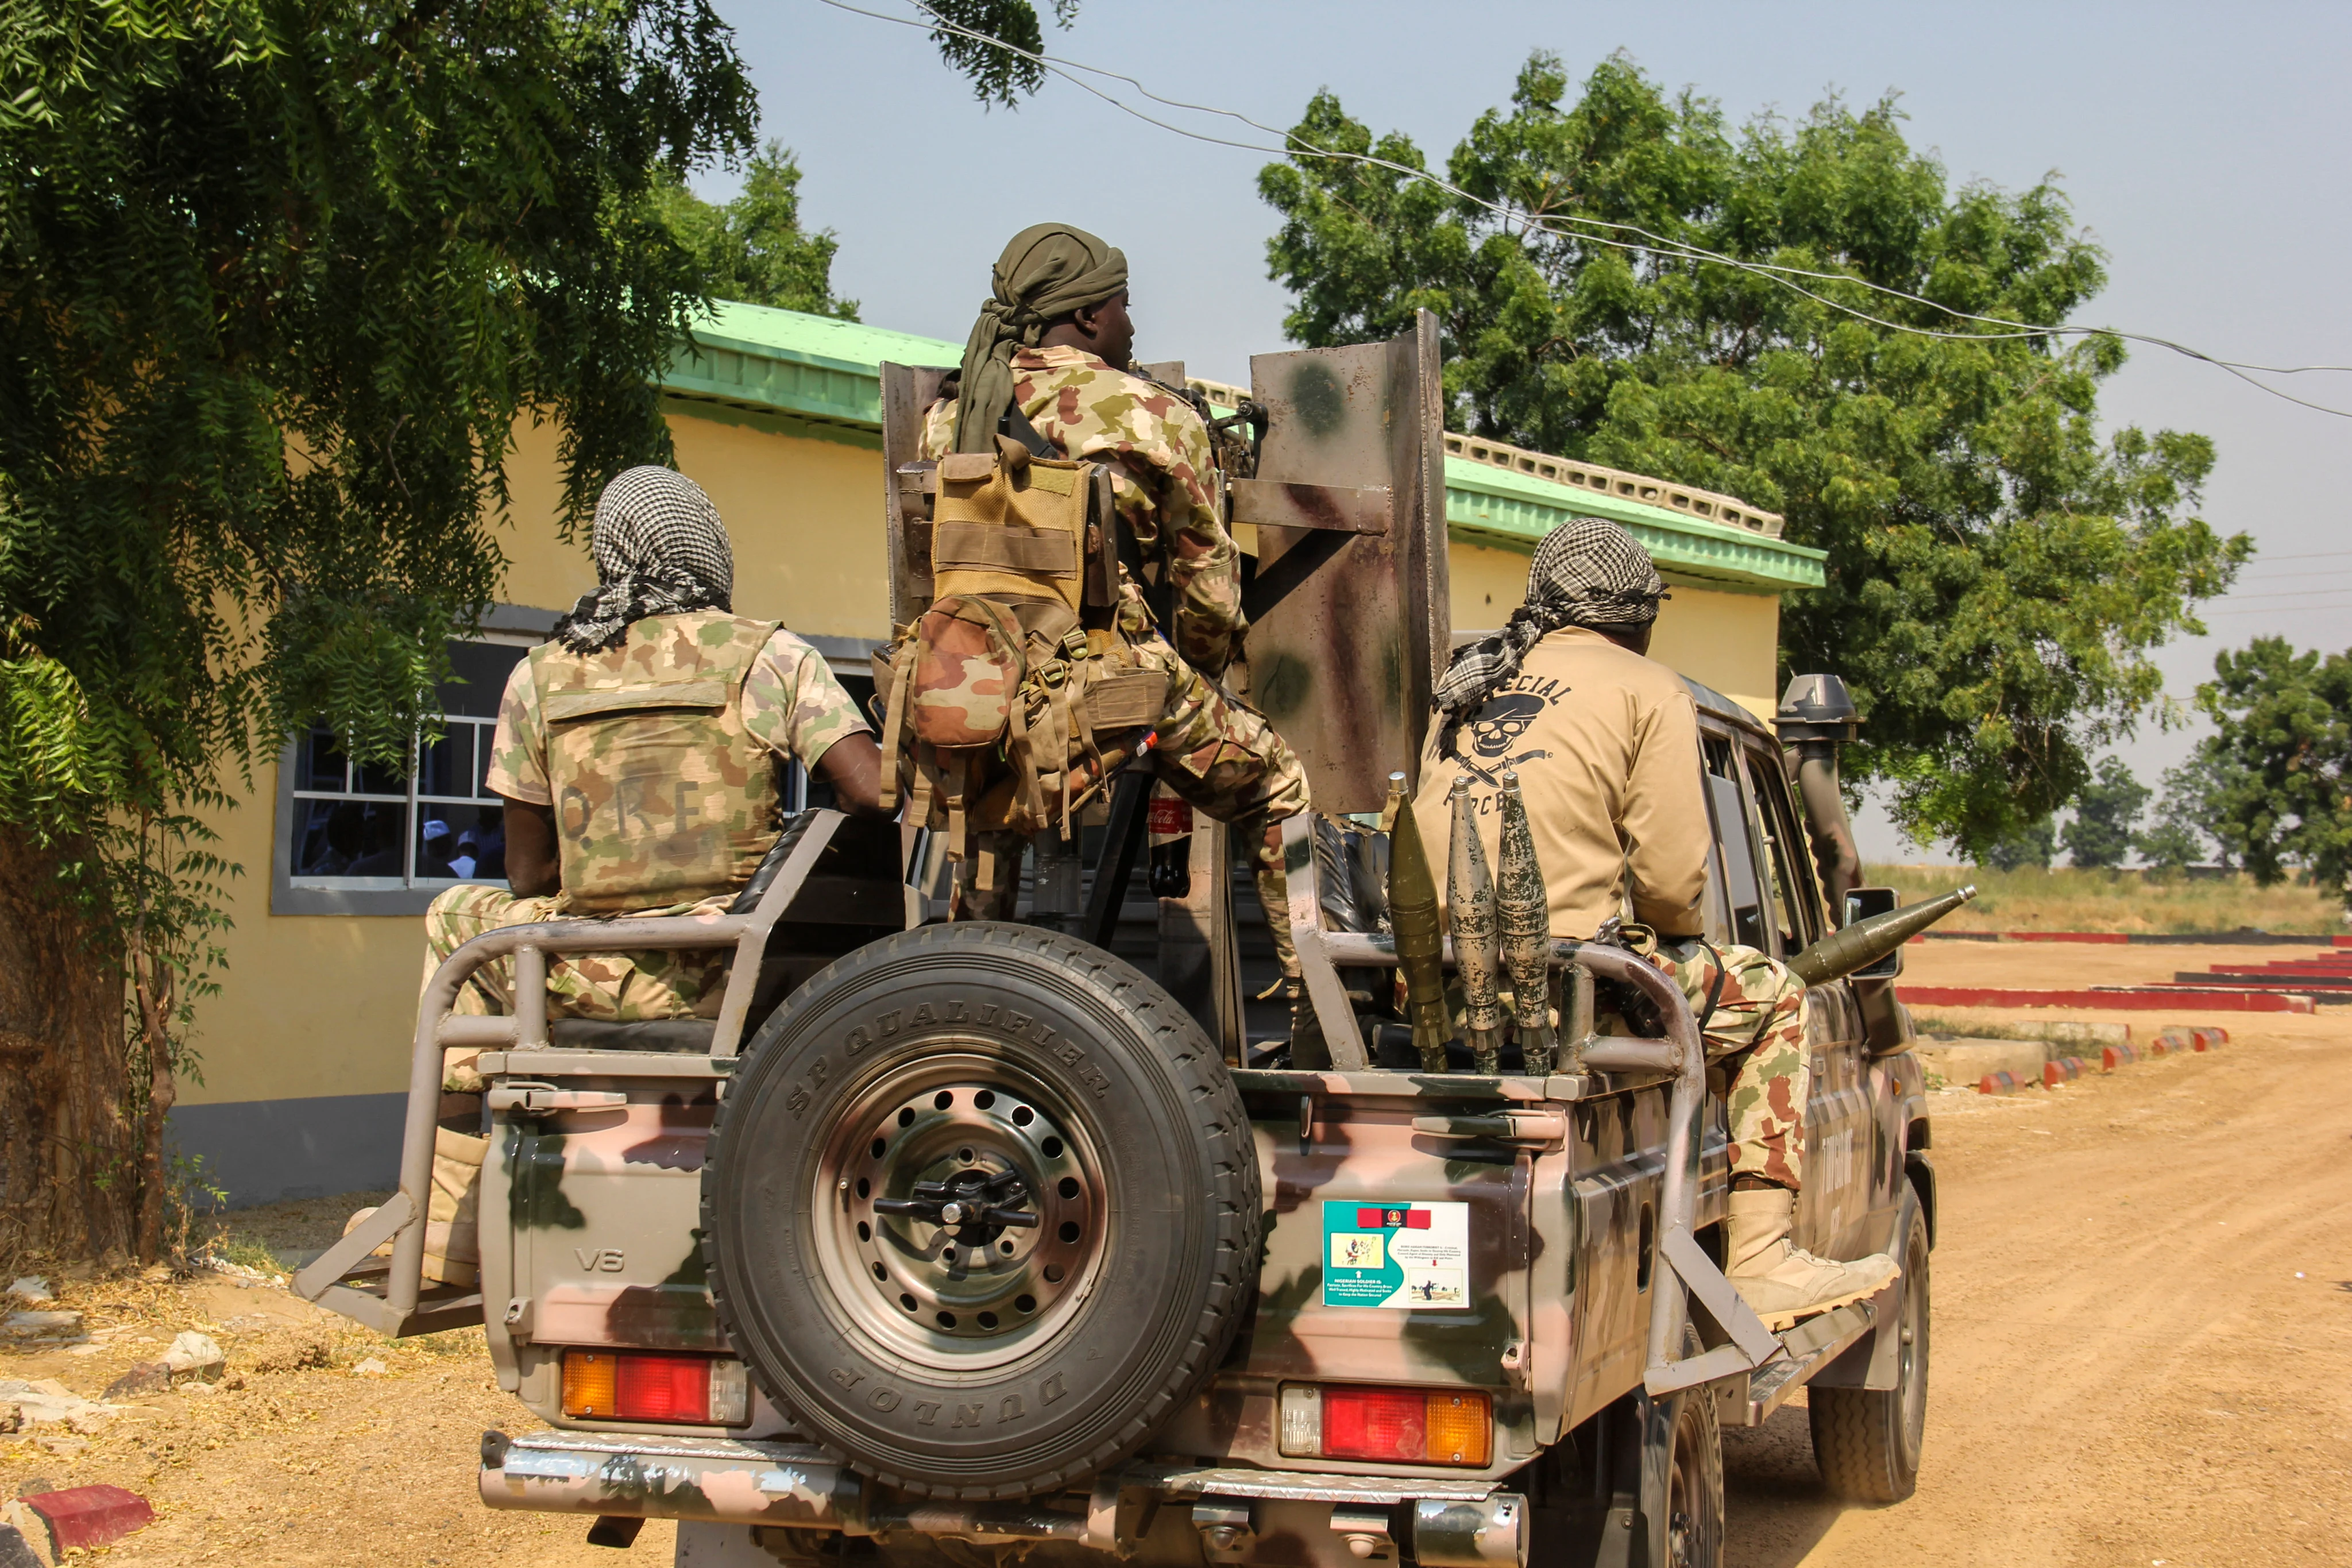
{"points": [[1834, 1205]]}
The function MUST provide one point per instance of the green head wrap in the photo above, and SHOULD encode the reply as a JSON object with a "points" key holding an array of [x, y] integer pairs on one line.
{"points": [[1049, 270]]}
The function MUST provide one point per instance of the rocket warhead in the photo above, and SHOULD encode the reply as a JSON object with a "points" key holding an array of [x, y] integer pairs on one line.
{"points": [[1865, 942], [1524, 908], [1478, 934], [1420, 940]]}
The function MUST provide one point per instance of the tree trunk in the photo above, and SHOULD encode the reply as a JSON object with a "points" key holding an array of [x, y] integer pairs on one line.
{"points": [[68, 1156], [153, 983]]}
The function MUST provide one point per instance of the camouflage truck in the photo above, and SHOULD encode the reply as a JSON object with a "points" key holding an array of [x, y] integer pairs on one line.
{"points": [[972, 1242]]}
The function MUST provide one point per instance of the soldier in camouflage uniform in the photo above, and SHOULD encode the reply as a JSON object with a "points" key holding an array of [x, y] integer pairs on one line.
{"points": [[1605, 743], [638, 752], [1054, 342]]}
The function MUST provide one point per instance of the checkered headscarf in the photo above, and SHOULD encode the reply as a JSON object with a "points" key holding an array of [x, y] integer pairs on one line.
{"points": [[660, 550], [1586, 573]]}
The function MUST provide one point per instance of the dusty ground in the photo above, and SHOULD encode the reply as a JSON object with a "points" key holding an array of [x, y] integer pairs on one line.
{"points": [[2143, 1311], [2127, 1369], [2054, 966]]}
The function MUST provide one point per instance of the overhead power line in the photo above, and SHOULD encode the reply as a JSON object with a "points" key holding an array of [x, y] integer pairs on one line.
{"points": [[1656, 244]]}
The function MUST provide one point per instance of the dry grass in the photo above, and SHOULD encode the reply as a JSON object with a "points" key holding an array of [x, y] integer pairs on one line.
{"points": [[2070, 899]]}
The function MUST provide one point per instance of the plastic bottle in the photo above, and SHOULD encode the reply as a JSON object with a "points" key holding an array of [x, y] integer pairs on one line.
{"points": [[1169, 826]]}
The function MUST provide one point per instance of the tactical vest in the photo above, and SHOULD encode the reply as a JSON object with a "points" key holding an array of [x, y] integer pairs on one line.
{"points": [[661, 796], [1013, 697]]}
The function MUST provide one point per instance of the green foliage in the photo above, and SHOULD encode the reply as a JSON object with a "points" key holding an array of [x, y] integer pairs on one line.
{"points": [[2280, 761], [2033, 844], [2169, 845], [2187, 817], [277, 283], [1998, 572], [2106, 816], [753, 248], [998, 74]]}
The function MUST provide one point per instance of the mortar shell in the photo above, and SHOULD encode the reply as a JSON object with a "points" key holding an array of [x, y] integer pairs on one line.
{"points": [[1477, 933], [1524, 912], [1420, 940]]}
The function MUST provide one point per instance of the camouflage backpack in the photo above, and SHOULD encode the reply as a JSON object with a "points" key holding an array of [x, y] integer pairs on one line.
{"points": [[1011, 699]]}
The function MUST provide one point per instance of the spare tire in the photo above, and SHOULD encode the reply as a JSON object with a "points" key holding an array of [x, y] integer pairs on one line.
{"points": [[983, 1209]]}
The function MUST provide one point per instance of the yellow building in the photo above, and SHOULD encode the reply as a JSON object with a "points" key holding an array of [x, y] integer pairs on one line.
{"points": [[305, 1052]]}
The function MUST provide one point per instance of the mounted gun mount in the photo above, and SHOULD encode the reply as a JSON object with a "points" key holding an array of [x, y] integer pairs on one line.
{"points": [[1347, 590], [1815, 717]]}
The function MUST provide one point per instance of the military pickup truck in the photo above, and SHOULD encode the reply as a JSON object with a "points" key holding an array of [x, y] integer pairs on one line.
{"points": [[973, 1242]]}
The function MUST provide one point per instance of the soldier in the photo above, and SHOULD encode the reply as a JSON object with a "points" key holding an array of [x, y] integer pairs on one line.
{"points": [[1053, 344], [1605, 742], [638, 752]]}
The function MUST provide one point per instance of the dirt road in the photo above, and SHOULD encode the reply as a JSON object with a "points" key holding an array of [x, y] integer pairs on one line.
{"points": [[2143, 1328], [2126, 1369]]}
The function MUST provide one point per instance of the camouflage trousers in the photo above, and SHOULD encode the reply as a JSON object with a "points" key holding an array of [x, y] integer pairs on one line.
{"points": [[1222, 759], [617, 987], [1759, 1020]]}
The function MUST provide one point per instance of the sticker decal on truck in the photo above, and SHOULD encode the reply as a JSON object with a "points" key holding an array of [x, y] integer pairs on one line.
{"points": [[1410, 1256]]}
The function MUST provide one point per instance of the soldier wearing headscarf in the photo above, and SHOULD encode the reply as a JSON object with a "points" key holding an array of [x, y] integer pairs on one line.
{"points": [[1605, 743], [638, 753], [1054, 341]]}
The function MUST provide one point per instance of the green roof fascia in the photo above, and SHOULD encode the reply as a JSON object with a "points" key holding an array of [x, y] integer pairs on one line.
{"points": [[1487, 505], [815, 367], [828, 371]]}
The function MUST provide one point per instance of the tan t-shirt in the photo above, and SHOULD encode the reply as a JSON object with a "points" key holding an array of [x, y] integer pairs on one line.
{"points": [[1605, 743]]}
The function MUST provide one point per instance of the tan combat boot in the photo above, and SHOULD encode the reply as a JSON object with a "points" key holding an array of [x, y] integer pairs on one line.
{"points": [[1781, 1283]]}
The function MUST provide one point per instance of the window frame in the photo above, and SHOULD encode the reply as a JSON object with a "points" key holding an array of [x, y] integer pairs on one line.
{"points": [[1787, 854], [1736, 778], [507, 625]]}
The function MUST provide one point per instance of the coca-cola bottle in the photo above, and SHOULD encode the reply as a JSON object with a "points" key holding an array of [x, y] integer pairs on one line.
{"points": [[1169, 824]]}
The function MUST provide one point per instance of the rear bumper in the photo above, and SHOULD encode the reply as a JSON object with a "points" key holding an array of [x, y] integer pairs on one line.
{"points": [[1451, 1523]]}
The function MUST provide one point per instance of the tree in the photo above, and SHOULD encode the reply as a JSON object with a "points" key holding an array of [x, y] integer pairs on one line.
{"points": [[754, 248], [2281, 756], [1998, 573], [2106, 816], [2187, 817], [278, 284], [997, 74], [2031, 844]]}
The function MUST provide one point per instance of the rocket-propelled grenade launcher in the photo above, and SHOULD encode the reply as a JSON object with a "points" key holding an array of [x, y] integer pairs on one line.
{"points": [[1866, 941], [1420, 942], [1477, 935], [1524, 910]]}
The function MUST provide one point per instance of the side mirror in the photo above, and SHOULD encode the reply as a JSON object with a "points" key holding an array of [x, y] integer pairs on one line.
{"points": [[1861, 903]]}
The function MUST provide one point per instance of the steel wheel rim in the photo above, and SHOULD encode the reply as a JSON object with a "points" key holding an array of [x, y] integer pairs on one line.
{"points": [[1911, 1372], [948, 1286], [1681, 1488]]}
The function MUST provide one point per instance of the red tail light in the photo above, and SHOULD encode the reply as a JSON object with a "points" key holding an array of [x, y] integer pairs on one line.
{"points": [[645, 1386], [1375, 1423], [1398, 1426]]}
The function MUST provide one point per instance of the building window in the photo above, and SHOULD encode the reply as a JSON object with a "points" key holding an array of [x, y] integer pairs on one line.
{"points": [[360, 839]]}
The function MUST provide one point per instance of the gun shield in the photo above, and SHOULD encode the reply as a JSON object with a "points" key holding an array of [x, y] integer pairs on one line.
{"points": [[1525, 910], [1420, 943], [1478, 934]]}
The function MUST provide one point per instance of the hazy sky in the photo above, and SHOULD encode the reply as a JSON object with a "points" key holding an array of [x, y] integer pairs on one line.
{"points": [[2204, 146]]}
